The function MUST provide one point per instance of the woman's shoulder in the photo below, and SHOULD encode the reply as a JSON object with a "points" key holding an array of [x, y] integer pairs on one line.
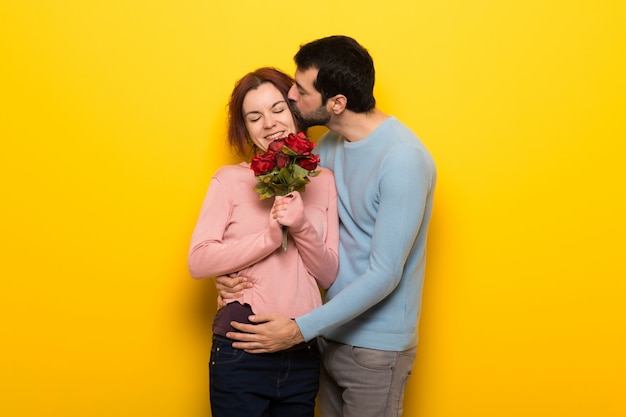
{"points": [[325, 174], [324, 182], [233, 171], [232, 177]]}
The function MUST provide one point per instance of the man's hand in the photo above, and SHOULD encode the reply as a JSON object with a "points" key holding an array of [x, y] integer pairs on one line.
{"points": [[274, 334]]}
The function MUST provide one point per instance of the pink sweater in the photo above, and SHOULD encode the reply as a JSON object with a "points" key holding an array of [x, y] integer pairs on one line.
{"points": [[230, 237]]}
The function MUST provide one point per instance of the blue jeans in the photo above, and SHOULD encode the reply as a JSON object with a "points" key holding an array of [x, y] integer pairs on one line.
{"points": [[281, 384], [361, 382]]}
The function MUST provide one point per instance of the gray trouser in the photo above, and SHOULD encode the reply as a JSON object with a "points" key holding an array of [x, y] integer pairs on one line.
{"points": [[360, 382]]}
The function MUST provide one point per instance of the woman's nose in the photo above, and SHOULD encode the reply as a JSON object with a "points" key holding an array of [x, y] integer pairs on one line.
{"points": [[270, 121]]}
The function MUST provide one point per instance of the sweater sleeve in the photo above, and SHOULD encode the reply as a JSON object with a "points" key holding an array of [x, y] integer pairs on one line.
{"points": [[210, 255], [319, 253], [404, 185]]}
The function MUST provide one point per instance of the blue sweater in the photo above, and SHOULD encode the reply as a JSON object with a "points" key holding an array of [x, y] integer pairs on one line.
{"points": [[385, 184]]}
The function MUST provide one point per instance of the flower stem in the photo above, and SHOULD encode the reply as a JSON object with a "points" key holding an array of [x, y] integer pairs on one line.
{"points": [[284, 238]]}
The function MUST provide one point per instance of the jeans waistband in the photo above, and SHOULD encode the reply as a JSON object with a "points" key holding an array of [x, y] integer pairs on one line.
{"points": [[300, 346]]}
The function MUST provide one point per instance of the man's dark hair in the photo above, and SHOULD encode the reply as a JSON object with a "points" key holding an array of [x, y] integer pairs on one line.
{"points": [[345, 67]]}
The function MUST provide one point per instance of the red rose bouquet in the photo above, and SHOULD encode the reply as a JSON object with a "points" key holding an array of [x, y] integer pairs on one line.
{"points": [[285, 167]]}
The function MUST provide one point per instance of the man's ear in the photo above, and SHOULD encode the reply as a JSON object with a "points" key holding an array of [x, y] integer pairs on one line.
{"points": [[338, 103]]}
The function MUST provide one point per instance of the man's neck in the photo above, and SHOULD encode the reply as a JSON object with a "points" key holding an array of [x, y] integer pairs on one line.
{"points": [[356, 126]]}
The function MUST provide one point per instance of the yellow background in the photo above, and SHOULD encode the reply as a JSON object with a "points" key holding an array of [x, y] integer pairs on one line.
{"points": [[112, 121]]}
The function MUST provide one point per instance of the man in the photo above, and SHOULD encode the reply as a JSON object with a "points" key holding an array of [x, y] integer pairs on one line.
{"points": [[385, 181]]}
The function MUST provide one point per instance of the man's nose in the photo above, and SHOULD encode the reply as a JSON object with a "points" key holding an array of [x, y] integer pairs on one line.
{"points": [[292, 94]]}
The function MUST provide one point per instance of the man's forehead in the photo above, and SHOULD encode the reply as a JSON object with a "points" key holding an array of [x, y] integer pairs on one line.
{"points": [[306, 78], [309, 74]]}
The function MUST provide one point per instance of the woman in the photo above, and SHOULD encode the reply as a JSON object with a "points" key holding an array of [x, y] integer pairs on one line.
{"points": [[239, 234]]}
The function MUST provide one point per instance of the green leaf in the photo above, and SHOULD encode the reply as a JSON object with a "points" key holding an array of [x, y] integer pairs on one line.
{"points": [[289, 151]]}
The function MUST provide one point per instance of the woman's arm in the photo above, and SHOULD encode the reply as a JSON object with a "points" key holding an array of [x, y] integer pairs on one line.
{"points": [[318, 252], [210, 255]]}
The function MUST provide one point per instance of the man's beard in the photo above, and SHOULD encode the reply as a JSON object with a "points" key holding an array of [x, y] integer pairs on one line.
{"points": [[318, 117]]}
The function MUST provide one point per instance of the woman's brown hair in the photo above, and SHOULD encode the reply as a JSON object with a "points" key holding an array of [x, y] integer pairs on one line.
{"points": [[237, 132]]}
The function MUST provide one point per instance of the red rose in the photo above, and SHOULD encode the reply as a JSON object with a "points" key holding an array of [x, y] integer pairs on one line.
{"points": [[310, 163], [282, 160], [262, 164], [299, 143], [276, 145]]}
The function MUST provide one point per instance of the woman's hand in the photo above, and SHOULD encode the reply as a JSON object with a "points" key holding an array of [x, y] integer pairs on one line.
{"points": [[289, 210]]}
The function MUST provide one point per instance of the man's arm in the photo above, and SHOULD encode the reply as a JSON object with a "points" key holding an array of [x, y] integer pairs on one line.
{"points": [[229, 287], [398, 206], [405, 189]]}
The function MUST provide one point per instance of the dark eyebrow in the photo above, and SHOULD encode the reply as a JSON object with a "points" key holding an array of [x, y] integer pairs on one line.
{"points": [[300, 87]]}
